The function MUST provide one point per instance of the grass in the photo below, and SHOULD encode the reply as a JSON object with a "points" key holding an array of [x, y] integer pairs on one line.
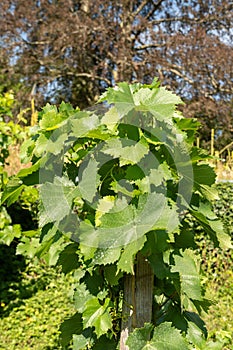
{"points": [[33, 307], [219, 319]]}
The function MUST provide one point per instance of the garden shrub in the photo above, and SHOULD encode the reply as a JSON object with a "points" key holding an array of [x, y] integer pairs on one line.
{"points": [[120, 180]]}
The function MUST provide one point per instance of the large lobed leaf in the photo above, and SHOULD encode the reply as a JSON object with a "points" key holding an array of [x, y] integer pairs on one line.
{"points": [[165, 337], [186, 266]]}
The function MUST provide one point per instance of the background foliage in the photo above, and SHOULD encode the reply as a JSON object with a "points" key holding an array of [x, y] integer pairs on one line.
{"points": [[72, 50], [218, 264]]}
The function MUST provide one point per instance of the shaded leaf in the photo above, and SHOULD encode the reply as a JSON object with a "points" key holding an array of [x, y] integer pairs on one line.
{"points": [[111, 275], [80, 342], [71, 326], [68, 258]]}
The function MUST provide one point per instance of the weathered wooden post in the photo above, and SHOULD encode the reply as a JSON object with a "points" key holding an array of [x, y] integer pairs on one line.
{"points": [[138, 299]]}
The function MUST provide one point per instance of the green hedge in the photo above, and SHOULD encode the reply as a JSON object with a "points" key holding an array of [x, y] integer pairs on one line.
{"points": [[36, 303], [218, 271]]}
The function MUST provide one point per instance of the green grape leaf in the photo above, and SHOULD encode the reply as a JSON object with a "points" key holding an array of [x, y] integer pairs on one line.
{"points": [[124, 187], [186, 266], [104, 343], [119, 215], [139, 337], [80, 342], [28, 247], [81, 297], [160, 269], [111, 118], [28, 171], [12, 191], [207, 211], [26, 151], [50, 143], [164, 337], [195, 318], [160, 102], [104, 256], [86, 249], [51, 257], [126, 261], [223, 238], [134, 172], [168, 219], [41, 144], [99, 134], [57, 198], [120, 228], [9, 233], [214, 228], [189, 126], [128, 151], [210, 193], [121, 96], [98, 316], [167, 337], [105, 204], [51, 118], [90, 180], [83, 123], [196, 336], [203, 174], [111, 275], [68, 258], [71, 326], [155, 177]]}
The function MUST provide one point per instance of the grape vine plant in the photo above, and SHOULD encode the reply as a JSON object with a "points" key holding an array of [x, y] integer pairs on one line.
{"points": [[118, 184]]}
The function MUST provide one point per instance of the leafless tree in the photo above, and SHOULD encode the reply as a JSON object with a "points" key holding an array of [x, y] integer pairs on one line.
{"points": [[72, 50]]}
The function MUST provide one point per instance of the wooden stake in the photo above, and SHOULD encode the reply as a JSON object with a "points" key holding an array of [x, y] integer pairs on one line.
{"points": [[212, 143], [138, 299]]}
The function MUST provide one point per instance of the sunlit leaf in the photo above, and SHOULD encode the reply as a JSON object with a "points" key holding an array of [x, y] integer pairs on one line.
{"points": [[167, 337], [186, 266], [98, 316], [128, 151], [126, 261], [139, 337], [12, 191], [90, 180]]}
